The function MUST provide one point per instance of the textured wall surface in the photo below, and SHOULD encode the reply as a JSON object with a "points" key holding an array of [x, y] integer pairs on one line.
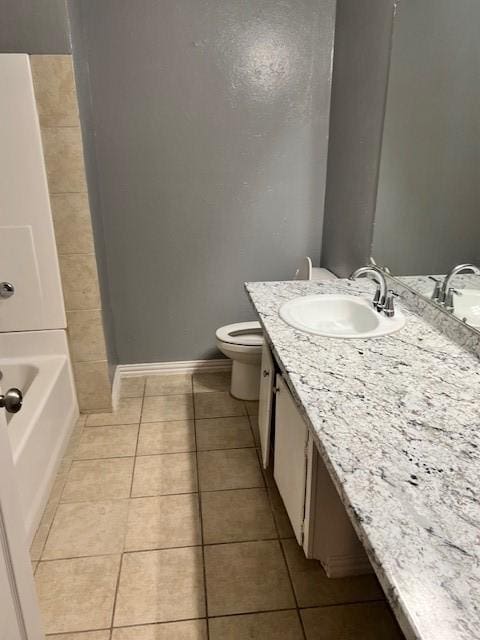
{"points": [[62, 145], [428, 207], [206, 127], [362, 50], [34, 26]]}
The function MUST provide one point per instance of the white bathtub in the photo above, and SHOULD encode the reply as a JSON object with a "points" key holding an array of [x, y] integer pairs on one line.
{"points": [[37, 362]]}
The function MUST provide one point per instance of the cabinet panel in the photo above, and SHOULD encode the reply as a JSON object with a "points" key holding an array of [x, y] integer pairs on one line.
{"points": [[265, 403], [290, 469], [29, 255]]}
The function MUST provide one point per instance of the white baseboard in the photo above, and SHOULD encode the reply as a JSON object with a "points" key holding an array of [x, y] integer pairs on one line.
{"points": [[348, 565], [165, 368]]}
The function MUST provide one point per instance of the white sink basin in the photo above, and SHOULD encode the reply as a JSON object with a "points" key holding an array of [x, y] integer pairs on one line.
{"points": [[338, 316], [467, 306]]}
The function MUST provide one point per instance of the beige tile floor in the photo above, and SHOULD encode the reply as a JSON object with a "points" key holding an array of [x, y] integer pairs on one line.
{"points": [[162, 526]]}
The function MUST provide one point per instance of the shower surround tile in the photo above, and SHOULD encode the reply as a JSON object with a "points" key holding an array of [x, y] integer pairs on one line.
{"points": [[80, 281], [63, 151], [72, 222], [93, 386], [54, 85], [85, 332], [55, 94]]}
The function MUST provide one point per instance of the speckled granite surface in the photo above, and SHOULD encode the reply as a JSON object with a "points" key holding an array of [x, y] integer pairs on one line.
{"points": [[397, 421]]}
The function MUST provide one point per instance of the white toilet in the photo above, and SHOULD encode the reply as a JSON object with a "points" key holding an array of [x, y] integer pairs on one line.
{"points": [[242, 343]]}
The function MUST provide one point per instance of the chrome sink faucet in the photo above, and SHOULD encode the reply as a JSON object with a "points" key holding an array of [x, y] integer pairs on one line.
{"points": [[445, 296], [383, 298]]}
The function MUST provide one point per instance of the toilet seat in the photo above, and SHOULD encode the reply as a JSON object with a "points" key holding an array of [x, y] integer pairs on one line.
{"points": [[246, 334]]}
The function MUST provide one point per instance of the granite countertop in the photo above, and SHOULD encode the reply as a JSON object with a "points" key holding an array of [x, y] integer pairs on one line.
{"points": [[397, 422]]}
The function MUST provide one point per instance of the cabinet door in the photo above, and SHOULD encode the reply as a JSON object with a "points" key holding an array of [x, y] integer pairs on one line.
{"points": [[290, 471], [28, 257], [265, 403]]}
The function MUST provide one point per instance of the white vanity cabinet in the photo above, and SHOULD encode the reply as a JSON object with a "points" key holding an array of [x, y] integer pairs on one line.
{"points": [[265, 404], [316, 512], [291, 459]]}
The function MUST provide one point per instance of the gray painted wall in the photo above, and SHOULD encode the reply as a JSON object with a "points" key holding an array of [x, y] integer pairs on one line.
{"points": [[208, 132], [33, 26], [362, 47], [429, 189], [82, 78]]}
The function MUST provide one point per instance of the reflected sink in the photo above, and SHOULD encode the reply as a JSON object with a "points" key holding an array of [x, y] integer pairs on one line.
{"points": [[338, 316], [467, 306]]}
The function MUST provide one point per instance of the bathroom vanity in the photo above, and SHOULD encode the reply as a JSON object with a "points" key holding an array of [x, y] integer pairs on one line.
{"points": [[375, 446]]}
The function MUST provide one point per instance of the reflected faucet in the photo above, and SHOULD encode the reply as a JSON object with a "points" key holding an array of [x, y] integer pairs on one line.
{"points": [[445, 296]]}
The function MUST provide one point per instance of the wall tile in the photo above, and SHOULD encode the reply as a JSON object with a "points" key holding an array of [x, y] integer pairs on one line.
{"points": [[62, 147], [85, 333], [80, 282], [93, 386], [73, 226], [55, 93]]}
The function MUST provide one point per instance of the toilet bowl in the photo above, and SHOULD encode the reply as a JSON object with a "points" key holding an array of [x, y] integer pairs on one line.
{"points": [[242, 343]]}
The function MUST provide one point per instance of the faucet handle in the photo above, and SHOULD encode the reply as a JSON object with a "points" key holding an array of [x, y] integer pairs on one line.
{"points": [[389, 306], [449, 305], [437, 289], [378, 300]]}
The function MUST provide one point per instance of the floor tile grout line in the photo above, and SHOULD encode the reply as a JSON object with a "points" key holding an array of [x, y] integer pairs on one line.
{"points": [[282, 550], [136, 446], [170, 548], [164, 495], [80, 427], [163, 453], [202, 534], [115, 595], [114, 606], [223, 615], [292, 586], [117, 585]]}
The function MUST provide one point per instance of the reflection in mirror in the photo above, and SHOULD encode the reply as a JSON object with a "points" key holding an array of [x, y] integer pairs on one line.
{"points": [[427, 217]]}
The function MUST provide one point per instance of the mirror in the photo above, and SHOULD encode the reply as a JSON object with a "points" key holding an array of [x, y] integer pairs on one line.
{"points": [[427, 216]]}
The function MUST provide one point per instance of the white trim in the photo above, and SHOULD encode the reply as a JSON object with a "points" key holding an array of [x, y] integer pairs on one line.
{"points": [[165, 368], [348, 565]]}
